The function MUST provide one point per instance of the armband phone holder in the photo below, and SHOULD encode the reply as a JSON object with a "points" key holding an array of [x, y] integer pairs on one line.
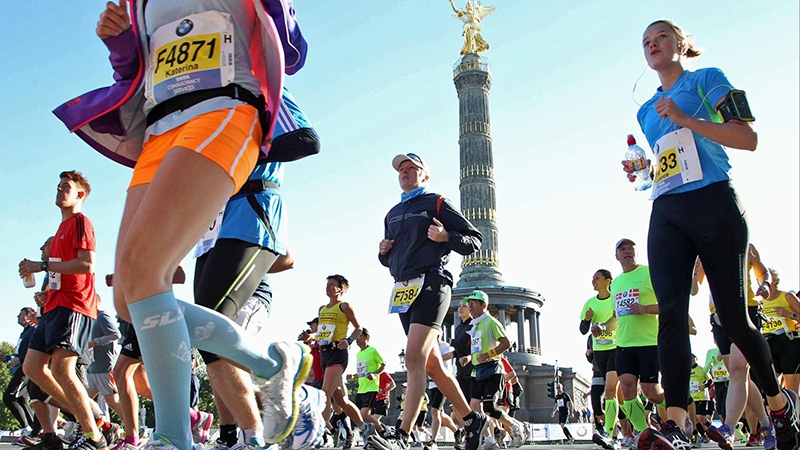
{"points": [[734, 106]]}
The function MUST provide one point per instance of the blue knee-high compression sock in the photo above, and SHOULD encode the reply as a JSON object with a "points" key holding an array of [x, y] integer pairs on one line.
{"points": [[167, 355], [212, 332]]}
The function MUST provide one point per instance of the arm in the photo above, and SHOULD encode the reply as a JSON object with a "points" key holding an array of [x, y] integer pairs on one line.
{"points": [[84, 263], [733, 134], [284, 262], [294, 145], [110, 331], [649, 309], [762, 274], [503, 344], [377, 372], [351, 316], [461, 236], [692, 327], [386, 244], [698, 276]]}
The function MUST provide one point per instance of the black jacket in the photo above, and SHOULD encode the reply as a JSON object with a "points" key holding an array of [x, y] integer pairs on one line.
{"points": [[461, 344], [413, 253]]}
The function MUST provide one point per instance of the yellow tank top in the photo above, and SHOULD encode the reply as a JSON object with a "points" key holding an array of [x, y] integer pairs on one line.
{"points": [[779, 324], [332, 324]]}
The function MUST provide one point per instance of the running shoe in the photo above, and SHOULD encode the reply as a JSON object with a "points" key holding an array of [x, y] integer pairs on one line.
{"points": [[279, 393], [628, 442], [48, 441], [72, 432], [767, 434], [651, 438], [786, 423], [157, 444], [84, 443], [366, 430], [122, 445], [390, 442], [517, 435], [31, 440], [201, 427], [310, 425], [754, 440], [246, 446], [430, 445], [675, 436], [604, 441], [459, 437], [723, 436], [489, 443], [111, 431], [476, 430]]}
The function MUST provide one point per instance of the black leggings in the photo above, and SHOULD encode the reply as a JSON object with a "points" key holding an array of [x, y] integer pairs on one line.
{"points": [[16, 399], [227, 276], [710, 223]]}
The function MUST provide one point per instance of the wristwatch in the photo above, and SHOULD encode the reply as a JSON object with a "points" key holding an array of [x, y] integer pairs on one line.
{"points": [[349, 341], [43, 266]]}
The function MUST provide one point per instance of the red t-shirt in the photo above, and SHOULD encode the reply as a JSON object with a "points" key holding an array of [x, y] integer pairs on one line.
{"points": [[383, 382], [72, 291]]}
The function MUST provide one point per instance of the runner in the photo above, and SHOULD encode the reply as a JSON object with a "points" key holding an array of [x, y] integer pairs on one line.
{"points": [[438, 416], [637, 313], [696, 212], [698, 383], [598, 317], [369, 367], [192, 150], [565, 409], [782, 312], [419, 234]]}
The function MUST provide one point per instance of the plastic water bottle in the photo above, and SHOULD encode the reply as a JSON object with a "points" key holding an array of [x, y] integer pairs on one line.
{"points": [[637, 160], [29, 281]]}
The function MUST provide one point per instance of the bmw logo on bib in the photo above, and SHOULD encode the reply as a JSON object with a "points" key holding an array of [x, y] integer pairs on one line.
{"points": [[184, 27]]}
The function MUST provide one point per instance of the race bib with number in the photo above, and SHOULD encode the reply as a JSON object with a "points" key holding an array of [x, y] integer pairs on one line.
{"points": [[623, 301], [560, 403], [720, 374], [325, 333], [476, 343], [210, 237], [606, 338], [775, 326], [54, 278], [361, 368], [190, 54], [694, 387], [677, 162], [404, 294]]}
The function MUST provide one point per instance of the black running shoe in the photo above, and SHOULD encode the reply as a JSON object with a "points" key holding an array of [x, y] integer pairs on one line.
{"points": [[786, 423], [476, 430], [603, 441], [675, 435], [49, 441], [84, 443]]}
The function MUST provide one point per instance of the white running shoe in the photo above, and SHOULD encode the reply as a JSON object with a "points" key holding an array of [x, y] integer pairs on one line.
{"points": [[201, 428], [311, 424], [157, 444], [279, 393], [517, 435]]}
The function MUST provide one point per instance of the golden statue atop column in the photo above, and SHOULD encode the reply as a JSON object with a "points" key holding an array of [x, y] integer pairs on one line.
{"points": [[472, 15]]}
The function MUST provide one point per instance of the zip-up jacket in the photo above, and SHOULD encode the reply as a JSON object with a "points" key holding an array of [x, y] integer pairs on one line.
{"points": [[413, 253], [112, 120]]}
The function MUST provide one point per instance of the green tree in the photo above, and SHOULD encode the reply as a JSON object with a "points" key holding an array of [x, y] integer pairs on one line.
{"points": [[7, 421]]}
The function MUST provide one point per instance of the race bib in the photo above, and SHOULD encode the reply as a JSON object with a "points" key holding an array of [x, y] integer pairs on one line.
{"points": [[54, 278], [606, 338], [190, 54], [623, 301], [560, 403], [361, 368], [676, 162], [210, 237], [720, 374], [404, 294], [325, 333], [476, 343], [775, 326], [694, 387]]}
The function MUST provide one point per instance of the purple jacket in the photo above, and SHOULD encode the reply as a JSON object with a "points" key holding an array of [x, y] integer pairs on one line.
{"points": [[111, 119]]}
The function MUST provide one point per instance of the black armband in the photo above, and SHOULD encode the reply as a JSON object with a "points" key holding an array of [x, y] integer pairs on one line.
{"points": [[735, 107]]}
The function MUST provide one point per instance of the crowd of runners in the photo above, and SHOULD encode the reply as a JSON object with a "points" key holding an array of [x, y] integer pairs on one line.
{"points": [[200, 112]]}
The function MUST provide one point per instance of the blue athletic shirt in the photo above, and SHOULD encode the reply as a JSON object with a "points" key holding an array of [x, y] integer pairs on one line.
{"points": [[240, 220], [684, 92]]}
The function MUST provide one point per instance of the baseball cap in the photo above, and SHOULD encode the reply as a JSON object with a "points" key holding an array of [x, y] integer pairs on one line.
{"points": [[623, 241], [477, 295], [405, 384], [364, 332], [414, 158], [314, 320]]}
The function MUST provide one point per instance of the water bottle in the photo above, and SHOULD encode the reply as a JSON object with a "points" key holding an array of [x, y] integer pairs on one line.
{"points": [[29, 281], [637, 160]]}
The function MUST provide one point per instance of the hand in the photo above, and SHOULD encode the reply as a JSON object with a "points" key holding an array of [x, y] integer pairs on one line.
{"points": [[698, 266], [553, 414], [668, 109], [636, 309], [342, 345], [40, 298], [436, 232], [763, 290], [110, 280], [589, 314], [92, 344], [596, 331], [370, 376], [626, 167], [27, 267], [385, 246], [783, 312], [303, 336], [482, 357], [114, 20], [13, 362], [464, 360]]}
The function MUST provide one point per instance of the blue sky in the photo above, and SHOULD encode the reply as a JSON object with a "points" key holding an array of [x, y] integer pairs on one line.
{"points": [[378, 82]]}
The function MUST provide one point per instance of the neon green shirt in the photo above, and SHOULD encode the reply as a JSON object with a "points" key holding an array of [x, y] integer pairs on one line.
{"points": [[697, 379], [367, 361], [634, 287], [485, 335], [716, 367], [603, 312]]}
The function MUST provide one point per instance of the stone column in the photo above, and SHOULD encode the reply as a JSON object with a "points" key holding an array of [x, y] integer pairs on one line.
{"points": [[521, 328], [534, 339], [501, 314], [473, 80]]}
